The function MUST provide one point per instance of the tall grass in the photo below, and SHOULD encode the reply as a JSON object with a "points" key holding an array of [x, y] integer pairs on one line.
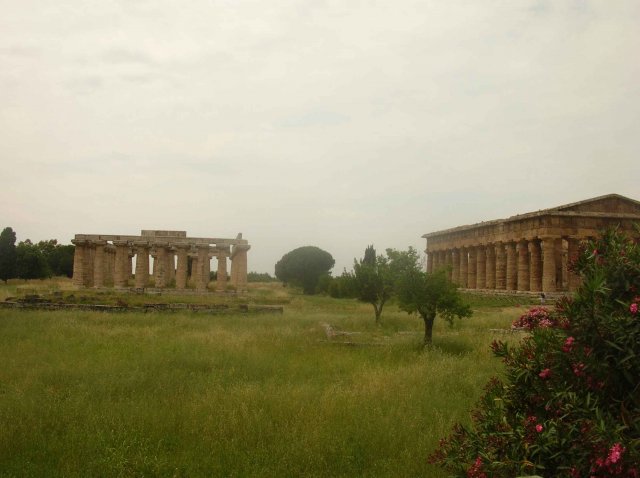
{"points": [[93, 394]]}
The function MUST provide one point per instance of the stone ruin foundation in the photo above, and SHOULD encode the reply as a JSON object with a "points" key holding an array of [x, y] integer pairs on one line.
{"points": [[107, 261]]}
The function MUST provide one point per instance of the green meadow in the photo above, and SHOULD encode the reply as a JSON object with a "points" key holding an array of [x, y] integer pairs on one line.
{"points": [[189, 394]]}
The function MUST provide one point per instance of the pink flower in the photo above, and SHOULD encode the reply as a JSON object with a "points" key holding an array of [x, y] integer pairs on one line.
{"points": [[615, 453], [633, 308], [568, 344], [539, 428], [545, 374], [578, 369]]}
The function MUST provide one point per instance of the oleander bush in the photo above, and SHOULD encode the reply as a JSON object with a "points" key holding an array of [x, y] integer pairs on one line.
{"points": [[569, 403]]}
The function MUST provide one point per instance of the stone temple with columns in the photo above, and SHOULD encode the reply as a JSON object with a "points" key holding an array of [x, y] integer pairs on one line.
{"points": [[107, 261], [528, 252]]}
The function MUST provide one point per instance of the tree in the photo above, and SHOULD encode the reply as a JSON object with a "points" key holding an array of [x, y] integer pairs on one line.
{"points": [[59, 258], [430, 295], [568, 405], [304, 266], [7, 254], [31, 262], [373, 282]]}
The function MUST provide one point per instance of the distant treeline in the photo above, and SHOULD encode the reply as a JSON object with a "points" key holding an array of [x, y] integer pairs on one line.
{"points": [[27, 260]]}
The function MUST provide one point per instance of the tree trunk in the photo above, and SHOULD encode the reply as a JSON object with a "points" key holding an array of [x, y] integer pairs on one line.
{"points": [[378, 310], [428, 330]]}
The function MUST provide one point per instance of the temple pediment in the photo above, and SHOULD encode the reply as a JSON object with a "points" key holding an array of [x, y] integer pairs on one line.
{"points": [[609, 204]]}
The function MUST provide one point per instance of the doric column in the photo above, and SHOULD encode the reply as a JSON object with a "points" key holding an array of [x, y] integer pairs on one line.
{"points": [[455, 266], [160, 266], [121, 275], [170, 268], [183, 261], [89, 253], [98, 264], [501, 266], [130, 270], [573, 249], [491, 267], [239, 266], [110, 256], [202, 273], [559, 253], [78, 262], [448, 259], [464, 267], [221, 276], [522, 248], [481, 267], [142, 264], [549, 264], [429, 261], [471, 272], [512, 267], [535, 266]]}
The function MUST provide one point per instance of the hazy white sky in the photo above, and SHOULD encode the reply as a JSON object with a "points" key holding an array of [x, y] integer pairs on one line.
{"points": [[329, 123]]}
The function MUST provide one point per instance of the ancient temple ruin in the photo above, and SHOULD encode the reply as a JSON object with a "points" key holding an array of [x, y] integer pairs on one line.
{"points": [[107, 261], [528, 252]]}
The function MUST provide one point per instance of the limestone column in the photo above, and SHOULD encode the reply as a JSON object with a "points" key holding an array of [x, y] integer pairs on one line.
{"points": [[522, 248], [239, 264], [491, 267], [142, 265], [110, 255], [455, 266], [501, 266], [88, 264], [549, 264], [512, 267], [464, 267], [122, 261], [573, 249], [202, 273], [181, 272], [481, 267], [429, 261], [194, 269], [448, 259], [221, 276], [559, 253], [98, 265], [436, 260], [471, 272], [160, 266], [78, 263], [535, 266], [130, 270], [170, 268]]}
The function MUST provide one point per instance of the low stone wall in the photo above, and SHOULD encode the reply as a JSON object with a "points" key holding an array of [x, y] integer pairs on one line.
{"points": [[208, 309]]}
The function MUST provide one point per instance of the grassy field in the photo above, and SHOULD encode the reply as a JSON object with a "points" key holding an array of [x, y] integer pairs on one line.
{"points": [[184, 394]]}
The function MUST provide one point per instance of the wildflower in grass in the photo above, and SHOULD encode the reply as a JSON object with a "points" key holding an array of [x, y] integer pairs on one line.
{"points": [[539, 428], [633, 308]]}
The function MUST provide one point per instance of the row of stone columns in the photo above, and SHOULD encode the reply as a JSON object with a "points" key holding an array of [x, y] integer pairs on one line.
{"points": [[535, 264], [99, 264]]}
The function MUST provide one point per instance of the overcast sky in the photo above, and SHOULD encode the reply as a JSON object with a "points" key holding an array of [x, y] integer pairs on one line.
{"points": [[330, 123]]}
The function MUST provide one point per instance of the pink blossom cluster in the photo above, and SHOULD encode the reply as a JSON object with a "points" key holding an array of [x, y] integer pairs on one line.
{"points": [[534, 318], [633, 308], [476, 470]]}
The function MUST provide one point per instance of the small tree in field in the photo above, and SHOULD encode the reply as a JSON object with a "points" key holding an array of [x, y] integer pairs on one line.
{"points": [[430, 295], [304, 266], [373, 282]]}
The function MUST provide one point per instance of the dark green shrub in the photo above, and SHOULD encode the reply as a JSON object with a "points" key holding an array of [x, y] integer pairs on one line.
{"points": [[569, 404]]}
